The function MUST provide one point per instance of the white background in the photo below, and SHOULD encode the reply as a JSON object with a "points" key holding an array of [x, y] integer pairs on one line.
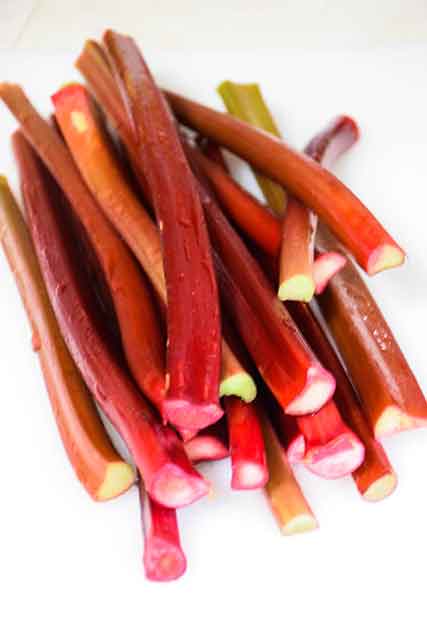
{"points": [[71, 568]]}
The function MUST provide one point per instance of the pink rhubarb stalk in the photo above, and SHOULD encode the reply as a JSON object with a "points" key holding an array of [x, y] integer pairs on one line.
{"points": [[247, 450], [210, 444], [163, 558], [194, 338], [157, 451]]}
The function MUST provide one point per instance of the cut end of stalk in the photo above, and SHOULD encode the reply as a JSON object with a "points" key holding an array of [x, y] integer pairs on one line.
{"points": [[119, 477], [299, 524], [188, 416], [393, 420], [385, 257], [319, 388], [163, 561], [381, 488], [325, 267], [296, 450], [240, 385], [173, 488], [299, 288], [203, 449], [248, 476], [338, 458]]}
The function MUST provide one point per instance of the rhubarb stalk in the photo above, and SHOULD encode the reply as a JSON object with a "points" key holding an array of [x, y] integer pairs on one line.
{"points": [[318, 189], [390, 394], [157, 451], [139, 329], [163, 558], [287, 365], [210, 444], [375, 477], [97, 465], [289, 506], [194, 339], [105, 179], [245, 101], [247, 450]]}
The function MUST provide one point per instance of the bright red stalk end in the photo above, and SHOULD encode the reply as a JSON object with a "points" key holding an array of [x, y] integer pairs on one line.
{"points": [[318, 189], [194, 339], [248, 458], [332, 449], [164, 559], [210, 444], [157, 451], [326, 265]]}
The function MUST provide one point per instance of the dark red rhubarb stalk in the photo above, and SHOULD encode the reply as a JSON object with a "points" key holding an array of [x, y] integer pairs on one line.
{"points": [[163, 558], [332, 449], [210, 444], [157, 451], [290, 435], [375, 477], [287, 365], [105, 179], [261, 225], [390, 394], [97, 465], [247, 450], [318, 189], [290, 508], [194, 339], [139, 327]]}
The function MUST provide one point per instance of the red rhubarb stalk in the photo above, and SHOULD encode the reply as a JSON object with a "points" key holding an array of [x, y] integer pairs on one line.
{"points": [[97, 465], [290, 435], [105, 179], [139, 328], [390, 394], [326, 265], [332, 449], [157, 451], [289, 506], [194, 339], [375, 477], [247, 450], [210, 444], [284, 360], [318, 189], [163, 558], [296, 280]]}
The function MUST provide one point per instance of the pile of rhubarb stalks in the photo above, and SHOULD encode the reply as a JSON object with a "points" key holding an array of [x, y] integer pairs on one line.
{"points": [[202, 322]]}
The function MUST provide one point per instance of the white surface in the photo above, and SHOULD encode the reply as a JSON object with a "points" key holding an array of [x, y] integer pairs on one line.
{"points": [[70, 568], [237, 24]]}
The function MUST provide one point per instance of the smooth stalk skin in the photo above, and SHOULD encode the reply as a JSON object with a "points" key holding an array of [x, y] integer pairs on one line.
{"points": [[332, 449], [296, 279], [286, 499], [138, 230], [263, 227], [163, 557], [193, 316], [375, 477], [133, 303], [319, 190], [248, 459], [210, 444], [282, 357], [389, 392], [97, 465], [156, 450], [245, 101]]}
